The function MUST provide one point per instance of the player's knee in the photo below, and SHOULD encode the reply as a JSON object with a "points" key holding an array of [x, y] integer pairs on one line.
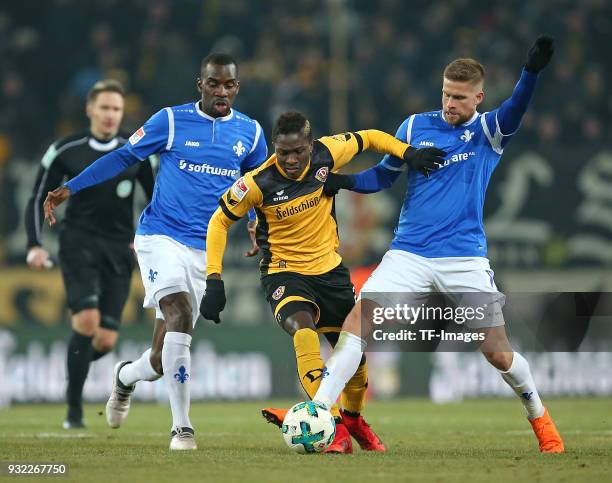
{"points": [[352, 323], [104, 340], [177, 312], [297, 315], [104, 346], [86, 321], [500, 360]]}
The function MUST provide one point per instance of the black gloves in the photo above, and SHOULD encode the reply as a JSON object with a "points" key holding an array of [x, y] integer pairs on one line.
{"points": [[336, 182], [540, 54], [424, 160], [213, 301]]}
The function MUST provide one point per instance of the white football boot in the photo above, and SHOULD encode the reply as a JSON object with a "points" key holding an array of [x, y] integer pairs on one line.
{"points": [[183, 439], [118, 404]]}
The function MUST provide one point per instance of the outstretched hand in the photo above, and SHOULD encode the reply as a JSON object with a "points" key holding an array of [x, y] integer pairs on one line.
{"points": [[53, 200], [540, 53], [425, 159]]}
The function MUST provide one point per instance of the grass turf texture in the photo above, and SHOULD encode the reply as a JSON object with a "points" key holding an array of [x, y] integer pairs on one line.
{"points": [[486, 440]]}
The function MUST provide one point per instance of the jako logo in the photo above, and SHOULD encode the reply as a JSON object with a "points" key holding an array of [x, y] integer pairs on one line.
{"points": [[426, 143], [292, 210], [192, 144], [207, 168], [467, 135]]}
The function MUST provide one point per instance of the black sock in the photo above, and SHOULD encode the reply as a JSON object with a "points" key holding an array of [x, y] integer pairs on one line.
{"points": [[79, 356], [95, 355], [350, 414]]}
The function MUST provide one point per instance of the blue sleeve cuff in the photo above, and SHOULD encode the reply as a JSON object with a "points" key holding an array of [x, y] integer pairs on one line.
{"points": [[374, 179]]}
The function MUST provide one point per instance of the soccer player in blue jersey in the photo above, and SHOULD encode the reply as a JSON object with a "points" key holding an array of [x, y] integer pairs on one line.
{"points": [[204, 147], [440, 243]]}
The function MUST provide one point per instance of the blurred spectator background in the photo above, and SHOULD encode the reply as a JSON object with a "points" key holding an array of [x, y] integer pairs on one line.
{"points": [[348, 65]]}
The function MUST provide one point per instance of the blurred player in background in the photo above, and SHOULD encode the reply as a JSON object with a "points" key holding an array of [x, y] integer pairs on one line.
{"points": [[204, 147], [440, 243], [95, 253], [305, 282]]}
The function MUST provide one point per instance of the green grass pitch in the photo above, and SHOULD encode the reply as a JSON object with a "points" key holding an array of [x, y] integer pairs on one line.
{"points": [[485, 440]]}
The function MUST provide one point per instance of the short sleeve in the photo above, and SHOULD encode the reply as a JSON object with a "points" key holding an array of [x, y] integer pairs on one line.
{"points": [[391, 162], [258, 153], [243, 195], [343, 147]]}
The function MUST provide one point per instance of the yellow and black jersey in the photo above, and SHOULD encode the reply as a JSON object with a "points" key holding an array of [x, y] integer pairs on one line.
{"points": [[296, 225]]}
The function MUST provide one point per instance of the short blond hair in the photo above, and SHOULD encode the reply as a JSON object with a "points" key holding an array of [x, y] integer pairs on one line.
{"points": [[106, 85], [465, 70]]}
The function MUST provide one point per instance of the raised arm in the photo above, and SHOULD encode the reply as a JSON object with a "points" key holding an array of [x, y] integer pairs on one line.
{"points": [[106, 167], [344, 147], [149, 139], [372, 180], [103, 169], [503, 122], [384, 174]]}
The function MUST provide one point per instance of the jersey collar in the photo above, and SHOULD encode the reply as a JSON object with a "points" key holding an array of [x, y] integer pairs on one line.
{"points": [[210, 118], [472, 119], [101, 146], [466, 123]]}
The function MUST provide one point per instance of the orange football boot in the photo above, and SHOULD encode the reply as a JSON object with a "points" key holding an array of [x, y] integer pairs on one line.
{"points": [[362, 432], [274, 415], [547, 434]]}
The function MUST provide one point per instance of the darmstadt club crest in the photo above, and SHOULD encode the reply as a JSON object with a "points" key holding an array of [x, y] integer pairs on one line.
{"points": [[321, 174], [278, 293]]}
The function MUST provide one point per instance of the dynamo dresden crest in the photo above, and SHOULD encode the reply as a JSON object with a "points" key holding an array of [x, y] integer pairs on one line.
{"points": [[321, 174], [278, 293]]}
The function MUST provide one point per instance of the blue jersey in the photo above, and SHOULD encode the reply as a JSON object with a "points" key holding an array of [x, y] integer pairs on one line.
{"points": [[442, 215], [200, 158]]}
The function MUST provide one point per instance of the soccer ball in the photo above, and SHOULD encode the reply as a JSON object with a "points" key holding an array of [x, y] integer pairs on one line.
{"points": [[309, 427]]}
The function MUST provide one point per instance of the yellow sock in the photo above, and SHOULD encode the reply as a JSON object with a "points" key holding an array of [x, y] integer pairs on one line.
{"points": [[353, 396], [309, 362]]}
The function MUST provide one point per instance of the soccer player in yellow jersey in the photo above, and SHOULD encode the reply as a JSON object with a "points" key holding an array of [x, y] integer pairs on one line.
{"points": [[305, 282]]}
